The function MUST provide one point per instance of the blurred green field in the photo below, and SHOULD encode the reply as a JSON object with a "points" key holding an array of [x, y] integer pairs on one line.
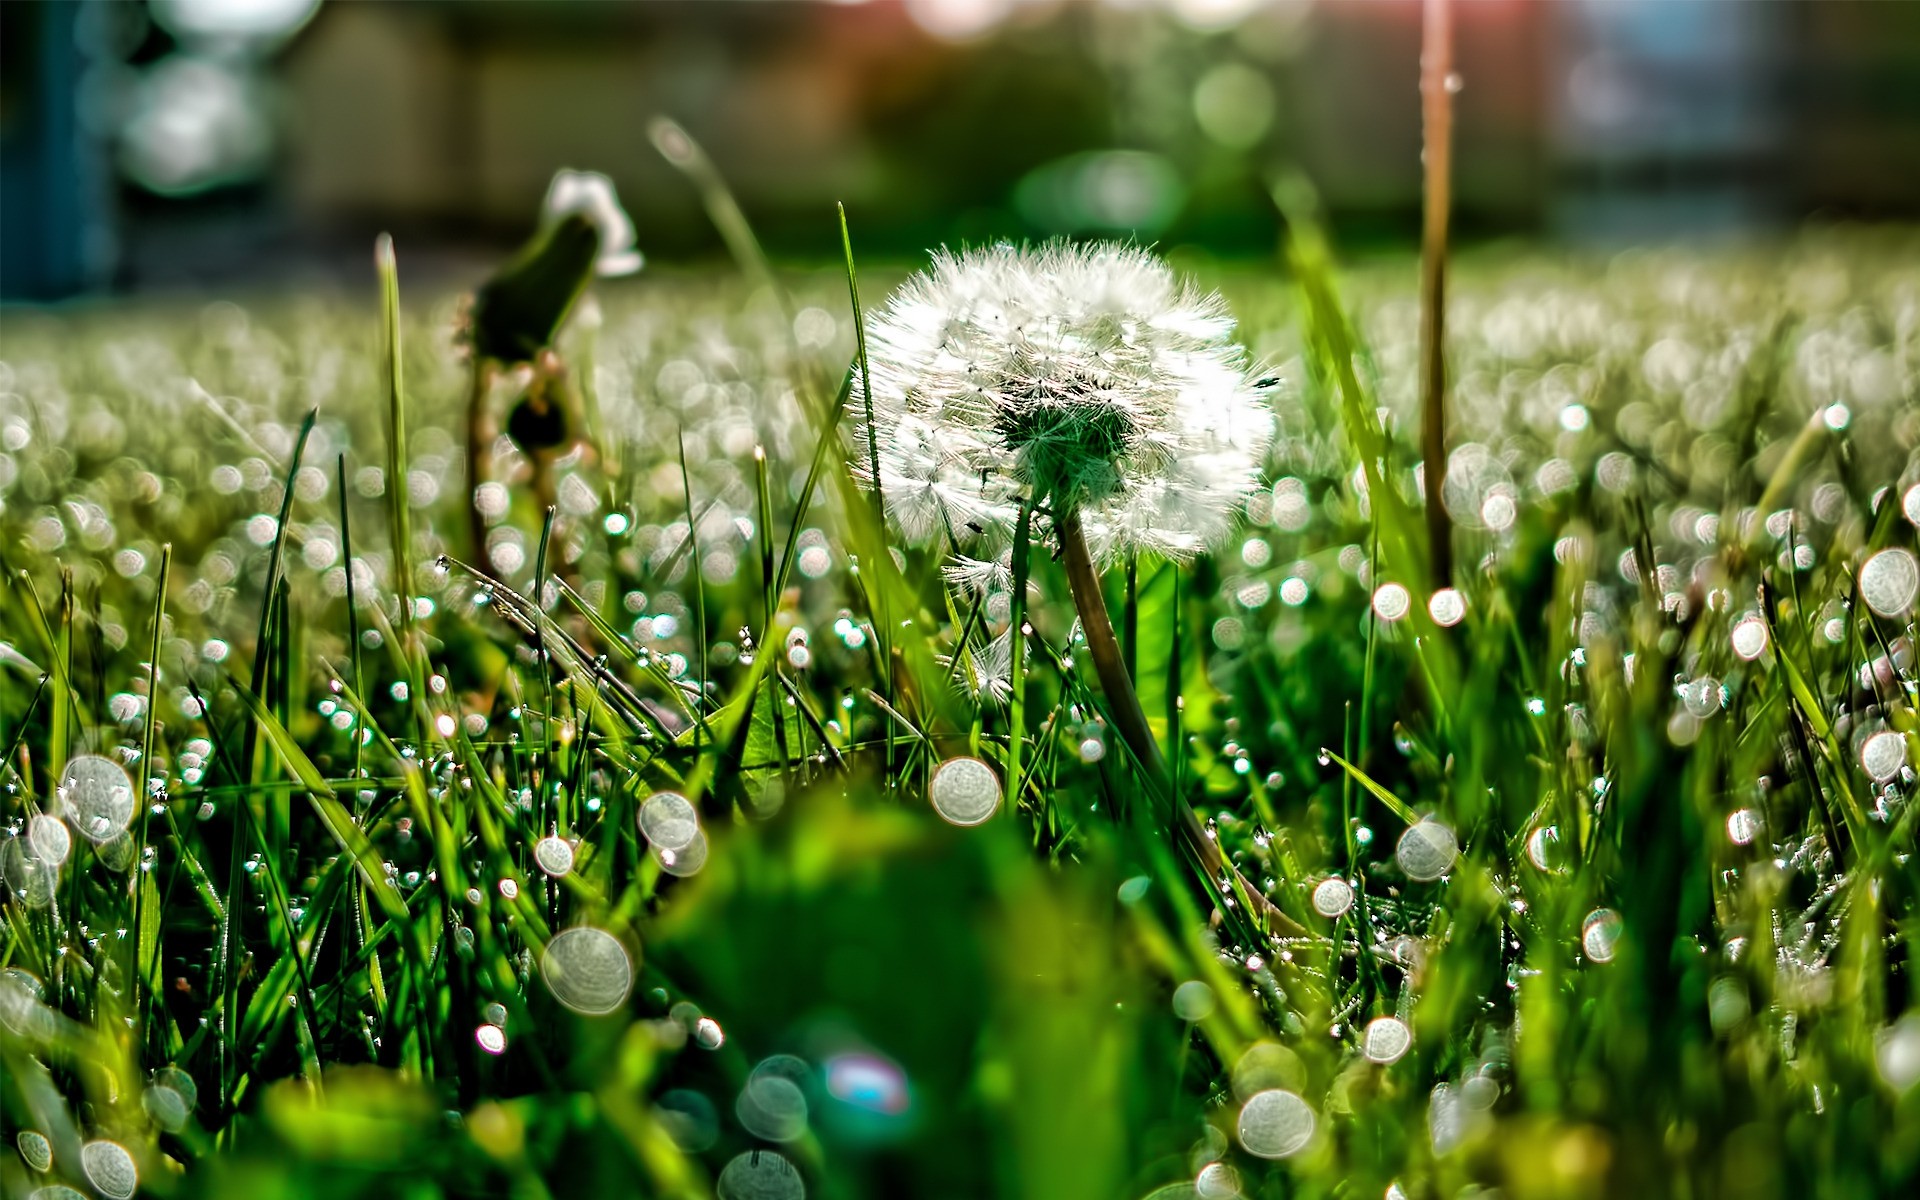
{"points": [[1651, 934]]}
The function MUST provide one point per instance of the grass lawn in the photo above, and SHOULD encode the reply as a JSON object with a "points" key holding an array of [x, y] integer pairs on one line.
{"points": [[343, 859]]}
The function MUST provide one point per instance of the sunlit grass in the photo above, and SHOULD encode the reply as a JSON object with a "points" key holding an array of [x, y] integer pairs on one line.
{"points": [[1602, 860]]}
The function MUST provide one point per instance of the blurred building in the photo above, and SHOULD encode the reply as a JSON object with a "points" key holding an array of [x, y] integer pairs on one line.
{"points": [[262, 137]]}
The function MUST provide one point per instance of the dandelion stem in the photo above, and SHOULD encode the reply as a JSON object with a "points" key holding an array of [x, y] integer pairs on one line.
{"points": [[1436, 111], [1123, 704]]}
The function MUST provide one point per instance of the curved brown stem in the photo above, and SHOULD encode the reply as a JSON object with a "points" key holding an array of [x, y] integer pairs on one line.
{"points": [[1131, 720]]}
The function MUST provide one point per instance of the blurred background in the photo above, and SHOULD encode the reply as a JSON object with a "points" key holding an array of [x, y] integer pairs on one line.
{"points": [[160, 143]]}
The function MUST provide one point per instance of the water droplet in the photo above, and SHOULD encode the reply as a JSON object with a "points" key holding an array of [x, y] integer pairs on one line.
{"points": [[1447, 607], [554, 855], [760, 1175], [1391, 602], [1750, 638], [1703, 696], [1888, 582], [587, 970], [110, 1169], [1896, 1053], [167, 1107], [708, 1034], [1386, 1039], [492, 1039], [964, 791], [1216, 1181], [1332, 897], [35, 1149], [98, 795], [1275, 1123], [1193, 1001], [50, 839], [772, 1107], [687, 860], [1600, 934], [1426, 851], [1133, 890], [1743, 825], [689, 1119], [1883, 754], [668, 821]]}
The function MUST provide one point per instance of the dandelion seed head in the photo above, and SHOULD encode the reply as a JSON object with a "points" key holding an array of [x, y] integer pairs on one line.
{"points": [[1078, 376]]}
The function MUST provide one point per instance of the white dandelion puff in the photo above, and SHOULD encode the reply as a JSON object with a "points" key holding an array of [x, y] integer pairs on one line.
{"points": [[1078, 378], [592, 195]]}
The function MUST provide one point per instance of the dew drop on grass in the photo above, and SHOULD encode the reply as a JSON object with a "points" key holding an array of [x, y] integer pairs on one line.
{"points": [[1750, 638], [1391, 602], [1888, 582], [587, 970], [51, 841], [1193, 1001], [167, 1107], [708, 1035], [1599, 934], [56, 1191], [687, 860], [29, 877], [1216, 1181], [1543, 850], [98, 795], [1386, 1039], [1883, 754], [491, 1038], [668, 821], [1332, 897], [964, 791], [1275, 1123], [1896, 1053], [1447, 606], [772, 1107], [35, 1149], [109, 1168], [760, 1175], [1910, 504], [689, 1119], [1743, 825], [1133, 889], [1703, 696], [1426, 851]]}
